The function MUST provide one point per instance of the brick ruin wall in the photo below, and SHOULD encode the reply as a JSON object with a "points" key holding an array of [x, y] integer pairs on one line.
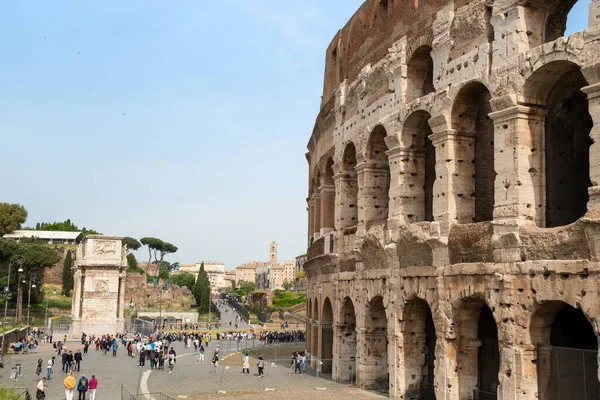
{"points": [[454, 199]]}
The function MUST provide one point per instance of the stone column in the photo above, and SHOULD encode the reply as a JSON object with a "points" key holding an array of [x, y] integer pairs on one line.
{"points": [[454, 186], [519, 164], [344, 349], [372, 358], [311, 219], [121, 304], [594, 13], [373, 192], [593, 92], [327, 192], [315, 328], [309, 215], [525, 373], [317, 216], [346, 201]]}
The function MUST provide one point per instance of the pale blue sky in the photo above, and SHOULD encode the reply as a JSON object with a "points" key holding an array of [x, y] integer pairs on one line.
{"points": [[219, 98]]}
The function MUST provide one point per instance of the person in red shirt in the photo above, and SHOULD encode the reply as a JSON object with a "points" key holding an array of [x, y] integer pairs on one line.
{"points": [[93, 385]]}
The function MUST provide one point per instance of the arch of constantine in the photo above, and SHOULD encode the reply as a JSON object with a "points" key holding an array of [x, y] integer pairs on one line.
{"points": [[454, 202]]}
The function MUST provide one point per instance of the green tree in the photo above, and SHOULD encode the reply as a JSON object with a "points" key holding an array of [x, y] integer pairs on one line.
{"points": [[202, 291], [183, 279], [12, 216], [67, 275], [153, 245], [163, 274], [131, 243], [244, 288], [287, 285], [64, 226], [36, 257], [132, 264]]}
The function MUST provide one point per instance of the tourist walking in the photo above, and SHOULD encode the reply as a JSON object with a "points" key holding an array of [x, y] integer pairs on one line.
{"points": [[93, 387], [49, 367], [70, 384], [215, 362], [246, 364], [78, 357], [293, 365], [38, 370], [40, 393], [261, 366], [115, 347], [82, 387], [201, 354], [171, 362]]}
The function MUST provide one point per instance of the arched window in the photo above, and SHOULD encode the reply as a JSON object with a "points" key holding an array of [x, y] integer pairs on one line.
{"points": [[375, 191], [419, 74], [556, 87], [419, 168], [474, 151]]}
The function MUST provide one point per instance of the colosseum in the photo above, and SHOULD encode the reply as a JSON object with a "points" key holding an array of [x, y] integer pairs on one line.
{"points": [[454, 202]]}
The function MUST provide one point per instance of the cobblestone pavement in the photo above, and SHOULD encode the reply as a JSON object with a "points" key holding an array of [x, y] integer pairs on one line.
{"points": [[119, 376]]}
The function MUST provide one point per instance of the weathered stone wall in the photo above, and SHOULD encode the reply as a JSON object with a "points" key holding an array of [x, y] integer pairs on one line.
{"points": [[463, 141]]}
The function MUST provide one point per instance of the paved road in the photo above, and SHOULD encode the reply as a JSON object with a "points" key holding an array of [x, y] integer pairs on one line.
{"points": [[228, 314], [118, 376]]}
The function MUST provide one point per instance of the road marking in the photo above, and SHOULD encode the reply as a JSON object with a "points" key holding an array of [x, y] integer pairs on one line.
{"points": [[146, 375]]}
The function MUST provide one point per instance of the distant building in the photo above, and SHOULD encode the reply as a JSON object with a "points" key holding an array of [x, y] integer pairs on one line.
{"points": [[247, 272], [271, 275], [230, 280], [216, 275], [300, 260], [50, 237]]}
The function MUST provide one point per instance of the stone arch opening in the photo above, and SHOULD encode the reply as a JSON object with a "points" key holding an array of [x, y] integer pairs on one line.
{"points": [[326, 337], [315, 330], [474, 153], [419, 173], [419, 351], [567, 352], [376, 178], [374, 373], [419, 74], [556, 88], [309, 325], [546, 20], [347, 190], [327, 198], [345, 370], [478, 355]]}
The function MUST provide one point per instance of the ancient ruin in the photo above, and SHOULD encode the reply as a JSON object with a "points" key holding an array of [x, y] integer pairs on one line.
{"points": [[99, 286], [454, 202]]}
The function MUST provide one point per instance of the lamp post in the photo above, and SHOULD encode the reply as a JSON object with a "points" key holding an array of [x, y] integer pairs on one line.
{"points": [[19, 312], [165, 289], [31, 286], [19, 259]]}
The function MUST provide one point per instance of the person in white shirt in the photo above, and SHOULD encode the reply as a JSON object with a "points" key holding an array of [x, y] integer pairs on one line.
{"points": [[41, 393]]}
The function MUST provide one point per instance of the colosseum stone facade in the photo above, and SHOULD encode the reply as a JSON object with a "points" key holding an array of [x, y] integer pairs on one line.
{"points": [[454, 202]]}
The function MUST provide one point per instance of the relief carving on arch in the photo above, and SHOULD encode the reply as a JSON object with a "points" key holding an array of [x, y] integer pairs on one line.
{"points": [[105, 247]]}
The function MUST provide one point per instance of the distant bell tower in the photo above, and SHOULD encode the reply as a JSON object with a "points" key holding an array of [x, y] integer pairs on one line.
{"points": [[273, 254]]}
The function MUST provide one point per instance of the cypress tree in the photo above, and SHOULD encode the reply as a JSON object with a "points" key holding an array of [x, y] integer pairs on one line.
{"points": [[67, 275]]}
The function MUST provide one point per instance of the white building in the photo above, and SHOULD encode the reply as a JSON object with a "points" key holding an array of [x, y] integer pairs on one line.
{"points": [[50, 237]]}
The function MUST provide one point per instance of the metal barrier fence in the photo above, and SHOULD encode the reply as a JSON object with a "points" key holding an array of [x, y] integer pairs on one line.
{"points": [[483, 395], [143, 327], [566, 373]]}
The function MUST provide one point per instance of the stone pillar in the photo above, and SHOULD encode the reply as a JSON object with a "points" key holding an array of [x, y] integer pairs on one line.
{"points": [[311, 219], [594, 13], [315, 328], [346, 201], [454, 186], [373, 192], [525, 373], [519, 164], [327, 192], [344, 350], [446, 371], [317, 216], [593, 92], [372, 358]]}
